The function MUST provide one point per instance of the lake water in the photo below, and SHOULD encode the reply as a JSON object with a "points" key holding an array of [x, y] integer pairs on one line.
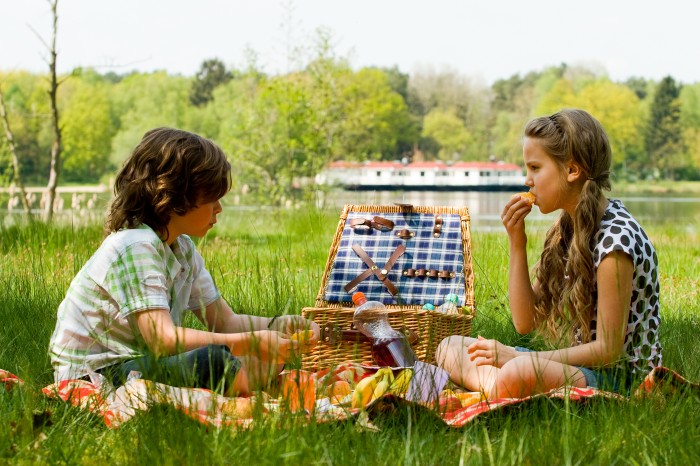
{"points": [[485, 207]]}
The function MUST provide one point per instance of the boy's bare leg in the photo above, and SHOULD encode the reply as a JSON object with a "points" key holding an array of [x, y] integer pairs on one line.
{"points": [[254, 374]]}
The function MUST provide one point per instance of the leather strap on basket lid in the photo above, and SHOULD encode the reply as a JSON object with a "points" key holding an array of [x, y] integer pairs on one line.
{"points": [[381, 274]]}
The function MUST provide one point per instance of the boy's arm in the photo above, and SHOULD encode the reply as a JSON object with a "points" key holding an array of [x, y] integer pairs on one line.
{"points": [[164, 338], [218, 317]]}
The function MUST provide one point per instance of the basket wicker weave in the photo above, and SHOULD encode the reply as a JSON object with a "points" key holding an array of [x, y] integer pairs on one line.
{"points": [[340, 342]]}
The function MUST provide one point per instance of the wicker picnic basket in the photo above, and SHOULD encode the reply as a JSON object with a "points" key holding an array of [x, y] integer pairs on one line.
{"points": [[403, 256]]}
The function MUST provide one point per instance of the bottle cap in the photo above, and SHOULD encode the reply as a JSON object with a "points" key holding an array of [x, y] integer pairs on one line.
{"points": [[358, 298]]}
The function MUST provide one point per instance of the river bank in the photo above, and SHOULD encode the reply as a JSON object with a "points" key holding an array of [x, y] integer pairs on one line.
{"points": [[656, 187]]}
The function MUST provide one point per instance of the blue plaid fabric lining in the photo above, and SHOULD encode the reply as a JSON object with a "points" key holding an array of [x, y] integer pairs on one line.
{"points": [[423, 251]]}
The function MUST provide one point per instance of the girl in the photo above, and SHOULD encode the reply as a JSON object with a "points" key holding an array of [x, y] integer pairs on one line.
{"points": [[123, 311], [596, 290]]}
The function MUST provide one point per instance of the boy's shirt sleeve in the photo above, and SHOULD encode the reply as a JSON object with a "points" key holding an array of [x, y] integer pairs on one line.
{"points": [[204, 291], [136, 279]]}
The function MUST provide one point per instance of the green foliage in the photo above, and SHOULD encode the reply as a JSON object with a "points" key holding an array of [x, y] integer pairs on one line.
{"points": [[614, 105], [663, 137], [281, 130], [449, 132], [212, 73], [28, 112], [89, 125], [144, 102]]}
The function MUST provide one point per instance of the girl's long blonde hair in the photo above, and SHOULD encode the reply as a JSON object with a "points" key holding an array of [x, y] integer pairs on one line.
{"points": [[565, 298]]}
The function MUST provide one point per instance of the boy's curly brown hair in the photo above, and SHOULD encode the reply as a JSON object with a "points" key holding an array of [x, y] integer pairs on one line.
{"points": [[169, 172]]}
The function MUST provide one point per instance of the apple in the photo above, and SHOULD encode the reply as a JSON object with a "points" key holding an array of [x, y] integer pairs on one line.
{"points": [[449, 403]]}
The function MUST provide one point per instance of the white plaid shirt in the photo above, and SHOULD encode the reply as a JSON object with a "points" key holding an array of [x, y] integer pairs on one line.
{"points": [[133, 270]]}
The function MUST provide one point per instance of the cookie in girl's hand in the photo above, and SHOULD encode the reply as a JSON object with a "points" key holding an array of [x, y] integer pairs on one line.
{"points": [[528, 196]]}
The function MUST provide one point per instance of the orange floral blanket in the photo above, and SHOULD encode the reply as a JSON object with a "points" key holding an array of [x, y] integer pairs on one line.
{"points": [[320, 397]]}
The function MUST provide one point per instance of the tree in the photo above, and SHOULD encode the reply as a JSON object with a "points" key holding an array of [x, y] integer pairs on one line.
{"points": [[88, 126], [212, 73], [144, 101], [448, 130], [690, 122], [55, 161], [17, 172], [663, 135]]}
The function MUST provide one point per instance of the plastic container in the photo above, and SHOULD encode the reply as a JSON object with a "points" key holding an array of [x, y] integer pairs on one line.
{"points": [[450, 306], [389, 346]]}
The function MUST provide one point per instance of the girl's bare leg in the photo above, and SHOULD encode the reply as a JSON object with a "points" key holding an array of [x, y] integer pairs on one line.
{"points": [[519, 377], [527, 375], [452, 356]]}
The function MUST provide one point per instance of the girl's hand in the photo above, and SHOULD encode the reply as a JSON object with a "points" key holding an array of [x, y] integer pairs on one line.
{"points": [[485, 352], [293, 324], [513, 218]]}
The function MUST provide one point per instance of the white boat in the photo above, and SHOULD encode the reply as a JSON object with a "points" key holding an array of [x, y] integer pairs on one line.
{"points": [[424, 176]]}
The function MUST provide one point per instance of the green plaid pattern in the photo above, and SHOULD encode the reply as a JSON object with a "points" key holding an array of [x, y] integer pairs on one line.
{"points": [[133, 270]]}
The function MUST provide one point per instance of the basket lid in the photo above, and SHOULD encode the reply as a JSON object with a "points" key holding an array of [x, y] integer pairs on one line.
{"points": [[429, 269]]}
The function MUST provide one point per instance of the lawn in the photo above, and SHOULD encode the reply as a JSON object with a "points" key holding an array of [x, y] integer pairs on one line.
{"points": [[269, 262]]}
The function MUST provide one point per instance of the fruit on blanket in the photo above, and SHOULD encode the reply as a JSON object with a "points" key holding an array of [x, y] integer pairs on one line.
{"points": [[238, 407], [380, 389], [302, 336], [401, 382], [470, 398], [449, 403], [298, 388], [363, 392], [372, 387], [338, 390], [528, 196]]}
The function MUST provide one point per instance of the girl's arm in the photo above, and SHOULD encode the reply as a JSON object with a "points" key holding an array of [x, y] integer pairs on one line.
{"points": [[614, 279], [521, 296]]}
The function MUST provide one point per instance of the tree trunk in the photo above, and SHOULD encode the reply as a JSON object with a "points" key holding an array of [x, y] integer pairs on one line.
{"points": [[17, 174], [55, 165]]}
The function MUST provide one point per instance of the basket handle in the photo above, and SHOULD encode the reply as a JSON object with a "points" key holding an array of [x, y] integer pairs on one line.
{"points": [[334, 334]]}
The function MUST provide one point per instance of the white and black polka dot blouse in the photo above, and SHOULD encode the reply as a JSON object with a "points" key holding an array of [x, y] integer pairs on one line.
{"points": [[619, 231]]}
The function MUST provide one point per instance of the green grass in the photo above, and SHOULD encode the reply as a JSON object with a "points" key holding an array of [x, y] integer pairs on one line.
{"points": [[271, 262]]}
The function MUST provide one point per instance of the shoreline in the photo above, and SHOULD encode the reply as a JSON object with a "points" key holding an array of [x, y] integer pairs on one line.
{"points": [[656, 187]]}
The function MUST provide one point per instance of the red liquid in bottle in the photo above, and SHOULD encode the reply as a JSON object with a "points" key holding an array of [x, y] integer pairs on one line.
{"points": [[393, 352]]}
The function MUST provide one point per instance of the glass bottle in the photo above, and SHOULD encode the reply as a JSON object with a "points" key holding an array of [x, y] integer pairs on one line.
{"points": [[389, 346]]}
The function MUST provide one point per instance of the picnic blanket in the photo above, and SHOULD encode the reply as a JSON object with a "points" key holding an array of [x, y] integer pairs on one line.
{"points": [[138, 395]]}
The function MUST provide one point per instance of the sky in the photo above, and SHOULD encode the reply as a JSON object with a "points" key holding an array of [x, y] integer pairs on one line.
{"points": [[486, 39]]}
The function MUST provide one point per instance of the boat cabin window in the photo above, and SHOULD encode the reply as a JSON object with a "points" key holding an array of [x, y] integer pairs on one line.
{"points": [[466, 173], [379, 173], [422, 173], [485, 173], [443, 173]]}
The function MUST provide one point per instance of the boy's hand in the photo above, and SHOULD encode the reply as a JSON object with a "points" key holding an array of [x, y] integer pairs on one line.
{"points": [[273, 346], [291, 325]]}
